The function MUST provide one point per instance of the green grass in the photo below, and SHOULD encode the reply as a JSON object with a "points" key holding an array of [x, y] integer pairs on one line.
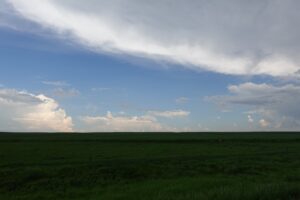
{"points": [[158, 166]]}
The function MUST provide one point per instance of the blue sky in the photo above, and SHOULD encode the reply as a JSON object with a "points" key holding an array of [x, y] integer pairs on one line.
{"points": [[66, 76]]}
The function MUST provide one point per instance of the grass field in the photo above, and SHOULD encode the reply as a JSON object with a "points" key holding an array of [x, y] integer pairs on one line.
{"points": [[158, 166]]}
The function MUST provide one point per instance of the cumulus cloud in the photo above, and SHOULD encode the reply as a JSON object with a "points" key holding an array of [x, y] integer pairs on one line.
{"points": [[124, 122], [169, 114], [121, 123], [23, 111], [231, 37], [277, 105]]}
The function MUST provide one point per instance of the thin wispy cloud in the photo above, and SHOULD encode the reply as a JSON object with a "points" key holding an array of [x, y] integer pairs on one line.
{"points": [[56, 83], [100, 89], [65, 93], [182, 100], [169, 114]]}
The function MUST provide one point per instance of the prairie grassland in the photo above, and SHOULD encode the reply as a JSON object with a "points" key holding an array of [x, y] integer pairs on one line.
{"points": [[150, 166]]}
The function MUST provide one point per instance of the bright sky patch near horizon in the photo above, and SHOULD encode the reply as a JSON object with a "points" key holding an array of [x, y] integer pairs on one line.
{"points": [[131, 65]]}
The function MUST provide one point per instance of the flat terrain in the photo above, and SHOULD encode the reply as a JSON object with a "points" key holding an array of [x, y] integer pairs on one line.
{"points": [[157, 166]]}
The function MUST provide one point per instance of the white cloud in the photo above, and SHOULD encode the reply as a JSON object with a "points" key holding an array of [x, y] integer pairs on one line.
{"points": [[231, 37], [277, 105], [23, 111], [263, 123], [124, 122], [121, 123], [181, 100], [169, 114], [250, 119]]}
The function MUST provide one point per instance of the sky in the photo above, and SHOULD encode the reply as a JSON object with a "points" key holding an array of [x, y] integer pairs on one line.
{"points": [[131, 65]]}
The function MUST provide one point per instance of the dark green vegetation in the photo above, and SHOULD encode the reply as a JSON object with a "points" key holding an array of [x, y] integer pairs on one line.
{"points": [[231, 166]]}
